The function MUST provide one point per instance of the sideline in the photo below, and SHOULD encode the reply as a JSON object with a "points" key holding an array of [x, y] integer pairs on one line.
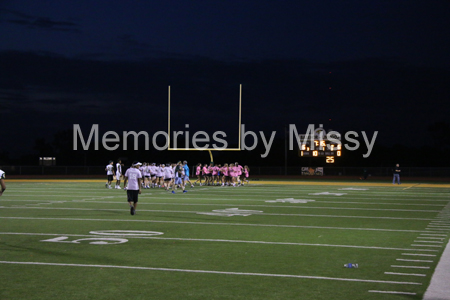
{"points": [[439, 289]]}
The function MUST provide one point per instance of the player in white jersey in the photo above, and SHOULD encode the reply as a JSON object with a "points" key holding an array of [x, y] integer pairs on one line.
{"points": [[2, 182], [133, 177], [168, 172], [118, 173], [159, 176], [145, 176], [110, 174], [152, 169]]}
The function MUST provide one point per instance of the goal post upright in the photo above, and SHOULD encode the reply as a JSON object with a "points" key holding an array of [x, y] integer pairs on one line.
{"points": [[168, 119], [240, 104]]}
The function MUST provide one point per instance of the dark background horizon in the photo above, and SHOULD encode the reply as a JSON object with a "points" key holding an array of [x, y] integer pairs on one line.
{"points": [[354, 66]]}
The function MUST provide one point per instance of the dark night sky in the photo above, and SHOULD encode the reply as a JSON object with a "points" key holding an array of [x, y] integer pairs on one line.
{"points": [[110, 62]]}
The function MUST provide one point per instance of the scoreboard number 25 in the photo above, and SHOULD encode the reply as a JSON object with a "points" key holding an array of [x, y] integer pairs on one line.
{"points": [[330, 159]]}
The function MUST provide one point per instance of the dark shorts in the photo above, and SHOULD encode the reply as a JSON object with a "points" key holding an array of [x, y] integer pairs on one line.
{"points": [[146, 176], [167, 179], [110, 177], [132, 195]]}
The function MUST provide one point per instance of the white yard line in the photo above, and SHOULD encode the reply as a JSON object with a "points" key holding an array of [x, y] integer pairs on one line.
{"points": [[393, 292], [409, 267], [419, 254], [433, 242], [218, 240], [433, 234], [415, 260], [223, 204], [100, 187], [197, 212], [121, 197], [212, 223], [220, 197], [210, 272], [405, 274], [435, 246]]}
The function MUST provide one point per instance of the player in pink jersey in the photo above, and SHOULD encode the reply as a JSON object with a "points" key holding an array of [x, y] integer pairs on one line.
{"points": [[239, 172], [198, 173], [233, 173], [212, 176], [219, 170], [224, 171], [246, 173], [213, 171], [229, 178], [206, 174]]}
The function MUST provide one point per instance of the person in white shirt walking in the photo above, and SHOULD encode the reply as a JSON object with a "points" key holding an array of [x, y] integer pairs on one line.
{"points": [[133, 177]]}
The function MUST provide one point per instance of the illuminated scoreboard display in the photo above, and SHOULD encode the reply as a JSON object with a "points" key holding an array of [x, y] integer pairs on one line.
{"points": [[320, 147]]}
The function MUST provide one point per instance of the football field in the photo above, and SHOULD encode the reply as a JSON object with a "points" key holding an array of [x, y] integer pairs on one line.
{"points": [[268, 240]]}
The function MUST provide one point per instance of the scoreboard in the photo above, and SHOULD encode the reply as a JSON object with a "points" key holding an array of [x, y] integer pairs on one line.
{"points": [[318, 146], [321, 148]]}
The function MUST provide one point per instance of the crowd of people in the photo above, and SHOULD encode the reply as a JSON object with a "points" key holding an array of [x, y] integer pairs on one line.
{"points": [[166, 175], [232, 175], [171, 176]]}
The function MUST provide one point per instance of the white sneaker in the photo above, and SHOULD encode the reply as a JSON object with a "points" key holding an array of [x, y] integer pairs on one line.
{"points": [[109, 187], [118, 187]]}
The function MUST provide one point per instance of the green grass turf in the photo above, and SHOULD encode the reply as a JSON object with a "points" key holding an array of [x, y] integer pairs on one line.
{"points": [[372, 227]]}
